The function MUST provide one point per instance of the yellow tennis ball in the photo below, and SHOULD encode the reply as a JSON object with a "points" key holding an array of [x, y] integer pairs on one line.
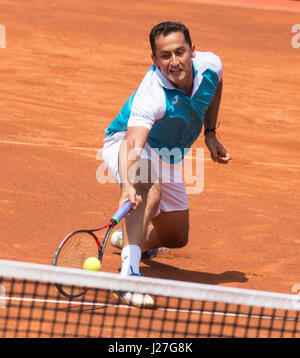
{"points": [[92, 263]]}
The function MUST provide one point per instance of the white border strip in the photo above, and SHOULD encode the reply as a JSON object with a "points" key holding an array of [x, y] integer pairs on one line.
{"points": [[160, 287]]}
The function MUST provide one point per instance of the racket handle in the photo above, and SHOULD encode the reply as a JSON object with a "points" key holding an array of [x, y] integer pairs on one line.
{"points": [[121, 213]]}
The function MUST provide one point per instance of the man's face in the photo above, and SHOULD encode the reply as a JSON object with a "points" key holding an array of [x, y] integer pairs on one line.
{"points": [[173, 57]]}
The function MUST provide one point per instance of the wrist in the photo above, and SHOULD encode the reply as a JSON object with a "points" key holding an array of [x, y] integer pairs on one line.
{"points": [[210, 132], [125, 183]]}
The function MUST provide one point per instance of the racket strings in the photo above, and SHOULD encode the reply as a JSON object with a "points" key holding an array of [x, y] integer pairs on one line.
{"points": [[74, 252], [77, 249]]}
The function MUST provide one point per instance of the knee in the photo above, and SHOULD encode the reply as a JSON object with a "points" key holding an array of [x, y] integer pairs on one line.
{"points": [[177, 240], [181, 241], [185, 239], [172, 228]]}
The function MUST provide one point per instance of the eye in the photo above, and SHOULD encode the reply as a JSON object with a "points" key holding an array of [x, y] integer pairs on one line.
{"points": [[165, 55], [180, 52]]}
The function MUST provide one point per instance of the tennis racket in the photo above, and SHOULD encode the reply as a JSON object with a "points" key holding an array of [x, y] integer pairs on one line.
{"points": [[79, 245]]}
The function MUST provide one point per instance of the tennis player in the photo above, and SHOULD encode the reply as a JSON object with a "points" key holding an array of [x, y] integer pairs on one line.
{"points": [[178, 95]]}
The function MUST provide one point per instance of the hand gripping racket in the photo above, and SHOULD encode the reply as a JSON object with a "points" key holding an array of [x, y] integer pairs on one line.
{"points": [[82, 244]]}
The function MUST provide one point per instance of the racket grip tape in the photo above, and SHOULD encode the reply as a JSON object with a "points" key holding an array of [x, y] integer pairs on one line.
{"points": [[121, 213]]}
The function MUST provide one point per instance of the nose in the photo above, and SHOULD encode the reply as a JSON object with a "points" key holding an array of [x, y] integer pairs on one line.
{"points": [[174, 60]]}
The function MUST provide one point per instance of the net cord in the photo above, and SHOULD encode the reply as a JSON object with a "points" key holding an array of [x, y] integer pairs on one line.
{"points": [[154, 286]]}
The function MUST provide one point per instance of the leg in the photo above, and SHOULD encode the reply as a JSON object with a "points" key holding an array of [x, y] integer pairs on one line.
{"points": [[168, 229], [136, 224]]}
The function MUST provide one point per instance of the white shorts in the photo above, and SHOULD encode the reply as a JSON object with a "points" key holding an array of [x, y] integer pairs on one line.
{"points": [[173, 193]]}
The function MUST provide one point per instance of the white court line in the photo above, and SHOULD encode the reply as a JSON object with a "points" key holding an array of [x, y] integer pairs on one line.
{"points": [[277, 164], [75, 303], [48, 145], [90, 149], [3, 298]]}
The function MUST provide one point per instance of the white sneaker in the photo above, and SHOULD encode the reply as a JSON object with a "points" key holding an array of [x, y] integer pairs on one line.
{"points": [[134, 299], [116, 239]]}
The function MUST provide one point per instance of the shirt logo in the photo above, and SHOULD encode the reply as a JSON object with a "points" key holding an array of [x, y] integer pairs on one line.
{"points": [[175, 100]]}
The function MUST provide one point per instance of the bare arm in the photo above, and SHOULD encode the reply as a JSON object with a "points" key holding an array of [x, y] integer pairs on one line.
{"points": [[129, 155], [211, 115], [218, 152]]}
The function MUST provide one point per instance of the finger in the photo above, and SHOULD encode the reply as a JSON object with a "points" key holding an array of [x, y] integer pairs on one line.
{"points": [[224, 158], [133, 202], [137, 202], [138, 199], [214, 157], [127, 195]]}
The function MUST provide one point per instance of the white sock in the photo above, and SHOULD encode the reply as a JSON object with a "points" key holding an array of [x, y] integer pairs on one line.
{"points": [[131, 256]]}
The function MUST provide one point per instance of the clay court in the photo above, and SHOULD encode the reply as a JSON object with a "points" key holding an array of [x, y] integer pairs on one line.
{"points": [[68, 68]]}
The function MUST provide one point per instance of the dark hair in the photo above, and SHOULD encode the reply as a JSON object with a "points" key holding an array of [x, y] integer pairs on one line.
{"points": [[165, 28]]}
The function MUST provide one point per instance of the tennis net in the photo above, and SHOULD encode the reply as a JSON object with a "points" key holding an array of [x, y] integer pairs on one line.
{"points": [[31, 306]]}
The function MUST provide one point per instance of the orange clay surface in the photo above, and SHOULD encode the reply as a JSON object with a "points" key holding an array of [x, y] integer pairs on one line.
{"points": [[67, 69]]}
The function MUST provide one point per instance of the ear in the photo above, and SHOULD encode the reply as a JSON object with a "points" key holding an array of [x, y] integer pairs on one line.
{"points": [[154, 59], [193, 51]]}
